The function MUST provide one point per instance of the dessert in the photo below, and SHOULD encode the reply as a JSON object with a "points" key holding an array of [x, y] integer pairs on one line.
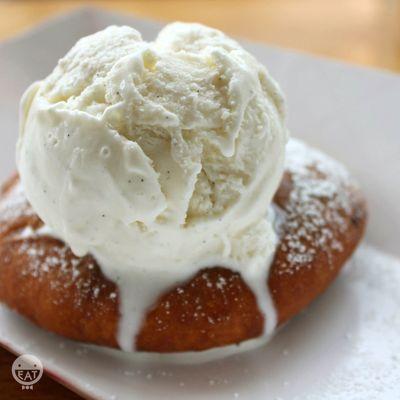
{"points": [[154, 208]]}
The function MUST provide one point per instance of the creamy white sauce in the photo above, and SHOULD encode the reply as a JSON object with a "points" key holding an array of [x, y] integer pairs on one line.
{"points": [[139, 289]]}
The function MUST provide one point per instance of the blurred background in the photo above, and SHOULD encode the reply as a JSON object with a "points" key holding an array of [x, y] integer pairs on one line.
{"points": [[365, 32]]}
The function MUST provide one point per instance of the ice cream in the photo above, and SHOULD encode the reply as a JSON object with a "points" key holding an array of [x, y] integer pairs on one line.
{"points": [[159, 158]]}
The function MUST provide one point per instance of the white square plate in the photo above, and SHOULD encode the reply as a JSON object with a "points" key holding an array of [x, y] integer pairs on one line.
{"points": [[347, 345]]}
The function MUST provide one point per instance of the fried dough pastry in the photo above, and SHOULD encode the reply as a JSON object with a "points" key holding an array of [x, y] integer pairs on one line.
{"points": [[321, 216]]}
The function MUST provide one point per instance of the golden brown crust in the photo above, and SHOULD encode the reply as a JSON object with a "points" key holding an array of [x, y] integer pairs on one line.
{"points": [[45, 282]]}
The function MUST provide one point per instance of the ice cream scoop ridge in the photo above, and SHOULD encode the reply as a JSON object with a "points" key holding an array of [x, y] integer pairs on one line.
{"points": [[159, 158]]}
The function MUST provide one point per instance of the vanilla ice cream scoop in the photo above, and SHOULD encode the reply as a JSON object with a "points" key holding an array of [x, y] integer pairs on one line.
{"points": [[158, 158]]}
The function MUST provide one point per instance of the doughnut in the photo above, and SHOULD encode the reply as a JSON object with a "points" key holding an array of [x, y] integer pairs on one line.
{"points": [[320, 218]]}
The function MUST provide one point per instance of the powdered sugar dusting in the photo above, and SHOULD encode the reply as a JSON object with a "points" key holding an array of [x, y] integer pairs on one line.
{"points": [[65, 268], [372, 366], [318, 208], [13, 206]]}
